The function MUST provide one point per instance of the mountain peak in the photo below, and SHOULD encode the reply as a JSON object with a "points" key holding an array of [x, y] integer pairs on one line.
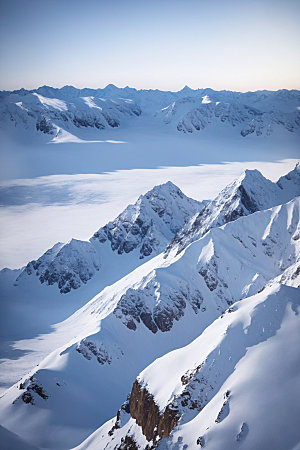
{"points": [[252, 172], [145, 227], [251, 176], [164, 187], [151, 222], [186, 88], [111, 86]]}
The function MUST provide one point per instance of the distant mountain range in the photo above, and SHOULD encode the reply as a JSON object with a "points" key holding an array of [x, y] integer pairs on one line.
{"points": [[56, 113], [185, 342]]}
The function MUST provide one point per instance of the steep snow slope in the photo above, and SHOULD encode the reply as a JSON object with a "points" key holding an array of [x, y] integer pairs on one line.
{"points": [[249, 193], [162, 305], [225, 389], [144, 228]]}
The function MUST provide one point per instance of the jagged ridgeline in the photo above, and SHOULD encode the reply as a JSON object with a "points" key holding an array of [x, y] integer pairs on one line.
{"points": [[163, 218], [170, 347], [140, 232], [54, 112]]}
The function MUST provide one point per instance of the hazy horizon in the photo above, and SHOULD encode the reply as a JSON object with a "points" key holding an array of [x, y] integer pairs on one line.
{"points": [[237, 46], [148, 88]]}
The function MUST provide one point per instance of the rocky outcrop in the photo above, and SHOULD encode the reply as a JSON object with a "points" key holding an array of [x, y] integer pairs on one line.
{"points": [[128, 443], [31, 388], [156, 307], [147, 415], [155, 217], [88, 349], [69, 266]]}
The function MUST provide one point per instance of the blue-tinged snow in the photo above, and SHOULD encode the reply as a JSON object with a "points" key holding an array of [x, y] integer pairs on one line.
{"points": [[110, 340]]}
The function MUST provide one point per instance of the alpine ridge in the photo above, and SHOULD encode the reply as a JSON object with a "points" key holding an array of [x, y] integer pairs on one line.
{"points": [[250, 193], [62, 114], [142, 229]]}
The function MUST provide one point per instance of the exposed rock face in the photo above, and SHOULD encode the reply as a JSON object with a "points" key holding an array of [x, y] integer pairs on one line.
{"points": [[156, 307], [45, 126], [127, 443], [89, 349], [69, 266], [155, 217], [146, 413], [32, 388]]}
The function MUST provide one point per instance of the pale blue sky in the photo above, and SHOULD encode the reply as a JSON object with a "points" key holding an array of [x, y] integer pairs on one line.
{"points": [[164, 44]]}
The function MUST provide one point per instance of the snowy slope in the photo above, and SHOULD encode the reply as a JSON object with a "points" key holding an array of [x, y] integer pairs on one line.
{"points": [[224, 390], [143, 229], [162, 305], [249, 193], [53, 116], [59, 114]]}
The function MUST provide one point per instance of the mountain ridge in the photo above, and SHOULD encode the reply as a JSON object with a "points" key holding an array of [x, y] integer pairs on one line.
{"points": [[52, 112], [249, 193], [145, 227]]}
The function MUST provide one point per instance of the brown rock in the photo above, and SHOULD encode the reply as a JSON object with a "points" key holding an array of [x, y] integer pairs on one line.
{"points": [[146, 413]]}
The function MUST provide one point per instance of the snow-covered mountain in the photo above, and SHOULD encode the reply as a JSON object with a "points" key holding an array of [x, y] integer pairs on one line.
{"points": [[51, 288], [58, 113], [36, 291], [191, 114], [162, 305], [52, 116], [141, 231], [250, 193], [211, 393]]}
